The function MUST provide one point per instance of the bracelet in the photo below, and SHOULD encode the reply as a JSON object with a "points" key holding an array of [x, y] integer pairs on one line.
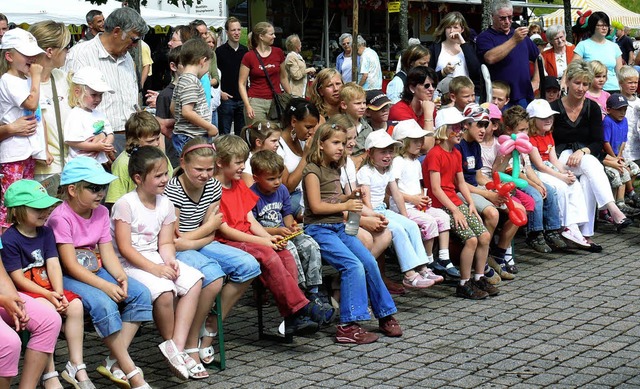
{"points": [[583, 152], [428, 120]]}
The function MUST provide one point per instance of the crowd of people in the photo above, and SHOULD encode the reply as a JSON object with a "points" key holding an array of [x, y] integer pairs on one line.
{"points": [[129, 217]]}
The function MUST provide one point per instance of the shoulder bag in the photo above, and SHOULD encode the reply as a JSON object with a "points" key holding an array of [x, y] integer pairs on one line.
{"points": [[280, 100]]}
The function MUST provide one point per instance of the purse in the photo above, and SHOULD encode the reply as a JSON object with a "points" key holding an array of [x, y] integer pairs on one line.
{"points": [[280, 100], [89, 260]]}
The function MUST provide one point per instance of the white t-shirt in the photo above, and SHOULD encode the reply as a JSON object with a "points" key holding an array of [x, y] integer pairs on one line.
{"points": [[408, 173], [377, 182], [247, 165], [346, 69], [291, 160], [489, 154], [370, 64], [445, 58], [145, 223], [632, 149], [82, 125], [348, 174], [13, 92]]}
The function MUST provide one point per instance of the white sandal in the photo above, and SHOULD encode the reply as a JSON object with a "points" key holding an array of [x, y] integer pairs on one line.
{"points": [[69, 375], [176, 362], [193, 367], [207, 353], [135, 371], [48, 376]]}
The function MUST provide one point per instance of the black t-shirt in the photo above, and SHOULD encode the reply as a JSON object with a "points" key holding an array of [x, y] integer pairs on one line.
{"points": [[163, 102], [229, 61], [626, 45]]}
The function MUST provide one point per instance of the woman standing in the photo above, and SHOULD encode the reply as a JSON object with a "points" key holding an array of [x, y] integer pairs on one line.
{"points": [[579, 141], [559, 55], [258, 64], [600, 48], [344, 61], [297, 69], [53, 38], [325, 93], [453, 54], [414, 55]]}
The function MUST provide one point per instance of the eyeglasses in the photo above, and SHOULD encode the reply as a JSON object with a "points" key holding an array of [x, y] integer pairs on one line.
{"points": [[346, 44], [96, 188], [136, 39], [428, 85], [602, 25], [504, 18]]}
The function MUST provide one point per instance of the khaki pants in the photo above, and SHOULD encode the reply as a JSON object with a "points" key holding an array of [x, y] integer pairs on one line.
{"points": [[260, 109]]}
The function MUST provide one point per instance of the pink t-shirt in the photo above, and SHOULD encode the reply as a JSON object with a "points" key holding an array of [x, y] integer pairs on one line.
{"points": [[601, 100], [69, 227], [259, 86]]}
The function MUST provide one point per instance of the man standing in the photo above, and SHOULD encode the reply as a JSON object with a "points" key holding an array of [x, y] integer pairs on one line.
{"points": [[370, 72], [95, 21], [507, 53], [626, 45], [229, 55], [123, 29]]}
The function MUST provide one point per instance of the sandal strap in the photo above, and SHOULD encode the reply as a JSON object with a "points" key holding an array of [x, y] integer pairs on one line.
{"points": [[191, 350], [49, 375], [133, 372]]}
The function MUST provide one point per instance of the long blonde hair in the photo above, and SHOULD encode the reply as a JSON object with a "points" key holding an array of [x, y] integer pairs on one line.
{"points": [[323, 76]]}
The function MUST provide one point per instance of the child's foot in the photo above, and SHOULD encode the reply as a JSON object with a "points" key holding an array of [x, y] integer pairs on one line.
{"points": [[536, 242], [430, 275], [394, 288], [500, 267], [353, 333], [312, 310], [627, 210], [470, 291], [329, 313], [484, 285], [416, 281], [390, 327], [77, 376], [445, 267], [300, 325], [632, 199], [554, 240], [492, 276], [205, 345], [50, 380]]}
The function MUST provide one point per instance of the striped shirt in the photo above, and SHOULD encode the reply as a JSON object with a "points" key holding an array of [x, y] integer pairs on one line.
{"points": [[119, 73], [192, 212], [189, 90]]}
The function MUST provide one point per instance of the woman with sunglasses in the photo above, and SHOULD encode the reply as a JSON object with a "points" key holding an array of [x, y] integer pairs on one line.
{"points": [[416, 102], [598, 47]]}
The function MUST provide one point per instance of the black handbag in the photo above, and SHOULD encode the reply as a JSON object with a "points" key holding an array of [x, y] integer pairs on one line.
{"points": [[280, 100]]}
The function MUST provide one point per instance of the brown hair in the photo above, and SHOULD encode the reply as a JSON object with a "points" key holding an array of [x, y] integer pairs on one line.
{"points": [[514, 115], [229, 147], [266, 162], [324, 132], [141, 124]]}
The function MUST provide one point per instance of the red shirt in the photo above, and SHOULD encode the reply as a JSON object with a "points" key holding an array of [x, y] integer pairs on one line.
{"points": [[448, 164], [259, 86], [544, 144], [235, 204], [403, 111]]}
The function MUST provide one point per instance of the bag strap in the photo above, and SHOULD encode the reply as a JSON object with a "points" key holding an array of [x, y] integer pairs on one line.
{"points": [[273, 90], [56, 108]]}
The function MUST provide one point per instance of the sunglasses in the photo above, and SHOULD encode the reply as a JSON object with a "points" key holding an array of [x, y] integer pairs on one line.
{"points": [[483, 124], [503, 18], [456, 128], [428, 85], [96, 188], [136, 39]]}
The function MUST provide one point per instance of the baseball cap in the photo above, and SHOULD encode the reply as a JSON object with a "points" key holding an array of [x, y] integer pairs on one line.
{"points": [[540, 109], [494, 111], [377, 99], [92, 78], [550, 82], [85, 169], [476, 112], [616, 101], [443, 85], [379, 139], [448, 116], [408, 129], [22, 41], [29, 193]]}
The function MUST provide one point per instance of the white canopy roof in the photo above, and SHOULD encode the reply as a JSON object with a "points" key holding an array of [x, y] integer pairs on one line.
{"points": [[615, 11], [74, 11]]}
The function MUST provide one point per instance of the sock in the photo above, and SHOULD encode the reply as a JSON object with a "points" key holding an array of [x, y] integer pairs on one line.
{"points": [[508, 256], [429, 258], [477, 276], [462, 282]]}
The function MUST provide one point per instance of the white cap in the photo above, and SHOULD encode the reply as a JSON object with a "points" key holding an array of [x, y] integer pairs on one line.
{"points": [[380, 140], [536, 36], [408, 129], [540, 109], [448, 116], [92, 78], [22, 41]]}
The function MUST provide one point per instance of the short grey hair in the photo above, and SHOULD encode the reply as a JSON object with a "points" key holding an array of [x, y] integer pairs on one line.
{"points": [[553, 31], [92, 14], [501, 4], [289, 42], [343, 37], [127, 19], [361, 41]]}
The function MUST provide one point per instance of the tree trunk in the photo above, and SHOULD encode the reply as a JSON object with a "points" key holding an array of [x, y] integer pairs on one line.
{"points": [[404, 23], [567, 20], [486, 13]]}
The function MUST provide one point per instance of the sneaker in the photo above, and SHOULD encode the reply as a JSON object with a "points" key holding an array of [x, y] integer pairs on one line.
{"points": [[538, 244], [445, 268], [470, 291], [329, 311], [492, 276], [430, 275], [483, 284], [390, 327], [500, 268], [575, 237], [627, 210], [554, 241], [313, 310], [353, 333], [300, 325], [632, 199]]}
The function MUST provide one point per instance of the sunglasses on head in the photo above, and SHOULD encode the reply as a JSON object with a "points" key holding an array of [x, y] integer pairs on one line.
{"points": [[97, 188]]}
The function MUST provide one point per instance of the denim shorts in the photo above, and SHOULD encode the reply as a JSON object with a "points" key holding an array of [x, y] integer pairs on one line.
{"points": [[207, 266]]}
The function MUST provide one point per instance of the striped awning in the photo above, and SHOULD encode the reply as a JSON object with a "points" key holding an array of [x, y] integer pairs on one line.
{"points": [[615, 11]]}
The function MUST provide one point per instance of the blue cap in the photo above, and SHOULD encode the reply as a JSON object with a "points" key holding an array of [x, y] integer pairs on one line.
{"points": [[85, 169], [616, 101]]}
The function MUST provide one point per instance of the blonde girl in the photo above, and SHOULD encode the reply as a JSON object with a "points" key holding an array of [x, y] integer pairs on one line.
{"points": [[596, 92], [443, 177], [323, 219], [261, 135], [117, 304], [20, 96], [433, 222], [31, 259], [375, 179], [87, 131], [142, 224]]}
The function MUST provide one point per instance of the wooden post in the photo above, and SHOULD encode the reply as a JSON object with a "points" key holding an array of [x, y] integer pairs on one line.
{"points": [[354, 43]]}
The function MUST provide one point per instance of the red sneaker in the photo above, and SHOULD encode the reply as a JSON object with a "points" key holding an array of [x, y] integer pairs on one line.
{"points": [[353, 333], [390, 326]]}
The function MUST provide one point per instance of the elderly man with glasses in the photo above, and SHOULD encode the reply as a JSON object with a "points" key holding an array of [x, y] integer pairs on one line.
{"points": [[507, 52], [109, 53]]}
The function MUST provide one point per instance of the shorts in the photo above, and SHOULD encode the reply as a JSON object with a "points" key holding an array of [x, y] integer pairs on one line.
{"points": [[67, 293], [475, 229], [617, 179]]}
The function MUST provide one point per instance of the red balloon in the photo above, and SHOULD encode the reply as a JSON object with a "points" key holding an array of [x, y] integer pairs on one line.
{"points": [[518, 216]]}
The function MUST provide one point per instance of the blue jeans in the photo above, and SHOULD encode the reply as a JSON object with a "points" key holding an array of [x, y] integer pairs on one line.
{"points": [[546, 214], [407, 240], [107, 315], [295, 199], [231, 112], [207, 266], [214, 118], [238, 265], [359, 273], [178, 141]]}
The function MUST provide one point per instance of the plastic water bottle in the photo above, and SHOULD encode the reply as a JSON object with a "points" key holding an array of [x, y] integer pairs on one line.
{"points": [[353, 219]]}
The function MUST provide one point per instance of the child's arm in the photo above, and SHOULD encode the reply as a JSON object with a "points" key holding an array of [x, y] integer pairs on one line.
{"points": [[11, 301], [464, 190], [534, 181], [392, 186], [91, 146], [195, 119], [536, 160], [239, 236], [438, 193], [26, 285], [365, 191], [167, 251], [31, 102], [54, 272], [608, 149], [621, 149], [259, 231], [210, 223], [318, 207]]}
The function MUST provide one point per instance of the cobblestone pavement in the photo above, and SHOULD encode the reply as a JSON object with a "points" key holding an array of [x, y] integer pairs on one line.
{"points": [[567, 321]]}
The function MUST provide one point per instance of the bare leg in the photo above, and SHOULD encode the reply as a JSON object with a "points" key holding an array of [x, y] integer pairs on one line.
{"points": [[116, 345], [230, 295], [185, 311], [74, 332], [5, 382], [34, 364], [482, 251], [164, 315], [466, 258]]}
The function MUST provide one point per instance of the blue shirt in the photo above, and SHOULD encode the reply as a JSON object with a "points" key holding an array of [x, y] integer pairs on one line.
{"points": [[615, 133], [514, 68], [21, 252], [270, 210], [471, 160], [607, 53]]}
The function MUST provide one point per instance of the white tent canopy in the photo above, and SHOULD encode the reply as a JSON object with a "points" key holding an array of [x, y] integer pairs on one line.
{"points": [[614, 10], [74, 11]]}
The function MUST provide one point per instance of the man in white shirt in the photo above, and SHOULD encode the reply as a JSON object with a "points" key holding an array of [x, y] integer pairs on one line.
{"points": [[370, 72]]}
